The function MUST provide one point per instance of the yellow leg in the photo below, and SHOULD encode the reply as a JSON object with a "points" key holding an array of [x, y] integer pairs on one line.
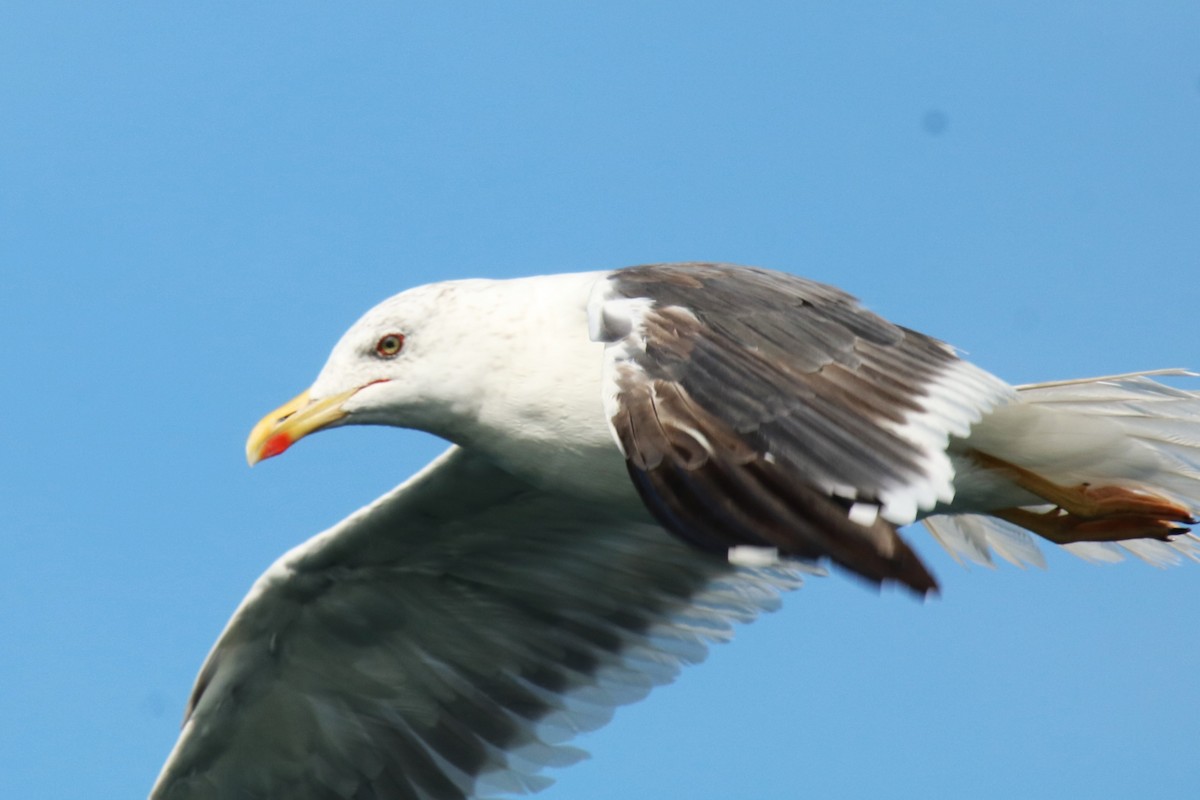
{"points": [[1088, 513], [1062, 527]]}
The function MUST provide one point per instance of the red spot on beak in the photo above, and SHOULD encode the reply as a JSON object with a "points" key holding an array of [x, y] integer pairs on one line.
{"points": [[275, 445]]}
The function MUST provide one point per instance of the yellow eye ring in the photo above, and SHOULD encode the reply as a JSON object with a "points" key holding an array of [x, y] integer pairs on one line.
{"points": [[390, 346]]}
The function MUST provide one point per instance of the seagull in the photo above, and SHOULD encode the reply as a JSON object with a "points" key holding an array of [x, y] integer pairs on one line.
{"points": [[639, 459]]}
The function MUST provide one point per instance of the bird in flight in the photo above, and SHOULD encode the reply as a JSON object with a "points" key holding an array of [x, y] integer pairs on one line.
{"points": [[639, 459]]}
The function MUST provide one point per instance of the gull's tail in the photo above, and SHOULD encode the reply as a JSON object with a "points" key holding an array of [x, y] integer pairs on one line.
{"points": [[1103, 466]]}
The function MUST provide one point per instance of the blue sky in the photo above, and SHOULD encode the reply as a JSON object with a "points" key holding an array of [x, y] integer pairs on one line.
{"points": [[195, 201]]}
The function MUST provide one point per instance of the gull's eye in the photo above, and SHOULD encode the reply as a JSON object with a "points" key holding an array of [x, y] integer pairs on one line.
{"points": [[389, 346]]}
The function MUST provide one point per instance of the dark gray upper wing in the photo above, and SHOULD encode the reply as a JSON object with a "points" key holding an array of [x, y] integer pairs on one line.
{"points": [[443, 642], [760, 408]]}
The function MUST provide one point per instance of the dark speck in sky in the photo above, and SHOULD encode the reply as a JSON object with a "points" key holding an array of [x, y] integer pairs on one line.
{"points": [[935, 122]]}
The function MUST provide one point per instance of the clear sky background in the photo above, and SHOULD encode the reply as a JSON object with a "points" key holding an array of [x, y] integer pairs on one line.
{"points": [[196, 200]]}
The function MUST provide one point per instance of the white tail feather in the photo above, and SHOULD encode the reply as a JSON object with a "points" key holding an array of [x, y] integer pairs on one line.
{"points": [[1157, 423], [1161, 418]]}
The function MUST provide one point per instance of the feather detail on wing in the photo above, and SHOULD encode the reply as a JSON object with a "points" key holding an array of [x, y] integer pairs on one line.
{"points": [[764, 409], [446, 641]]}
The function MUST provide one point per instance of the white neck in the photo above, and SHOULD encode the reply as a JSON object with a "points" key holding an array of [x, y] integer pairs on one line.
{"points": [[541, 378]]}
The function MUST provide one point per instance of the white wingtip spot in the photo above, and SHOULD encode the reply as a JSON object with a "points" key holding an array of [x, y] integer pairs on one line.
{"points": [[864, 514], [746, 555]]}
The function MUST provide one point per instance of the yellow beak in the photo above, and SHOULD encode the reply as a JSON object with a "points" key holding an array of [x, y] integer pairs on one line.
{"points": [[291, 422]]}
